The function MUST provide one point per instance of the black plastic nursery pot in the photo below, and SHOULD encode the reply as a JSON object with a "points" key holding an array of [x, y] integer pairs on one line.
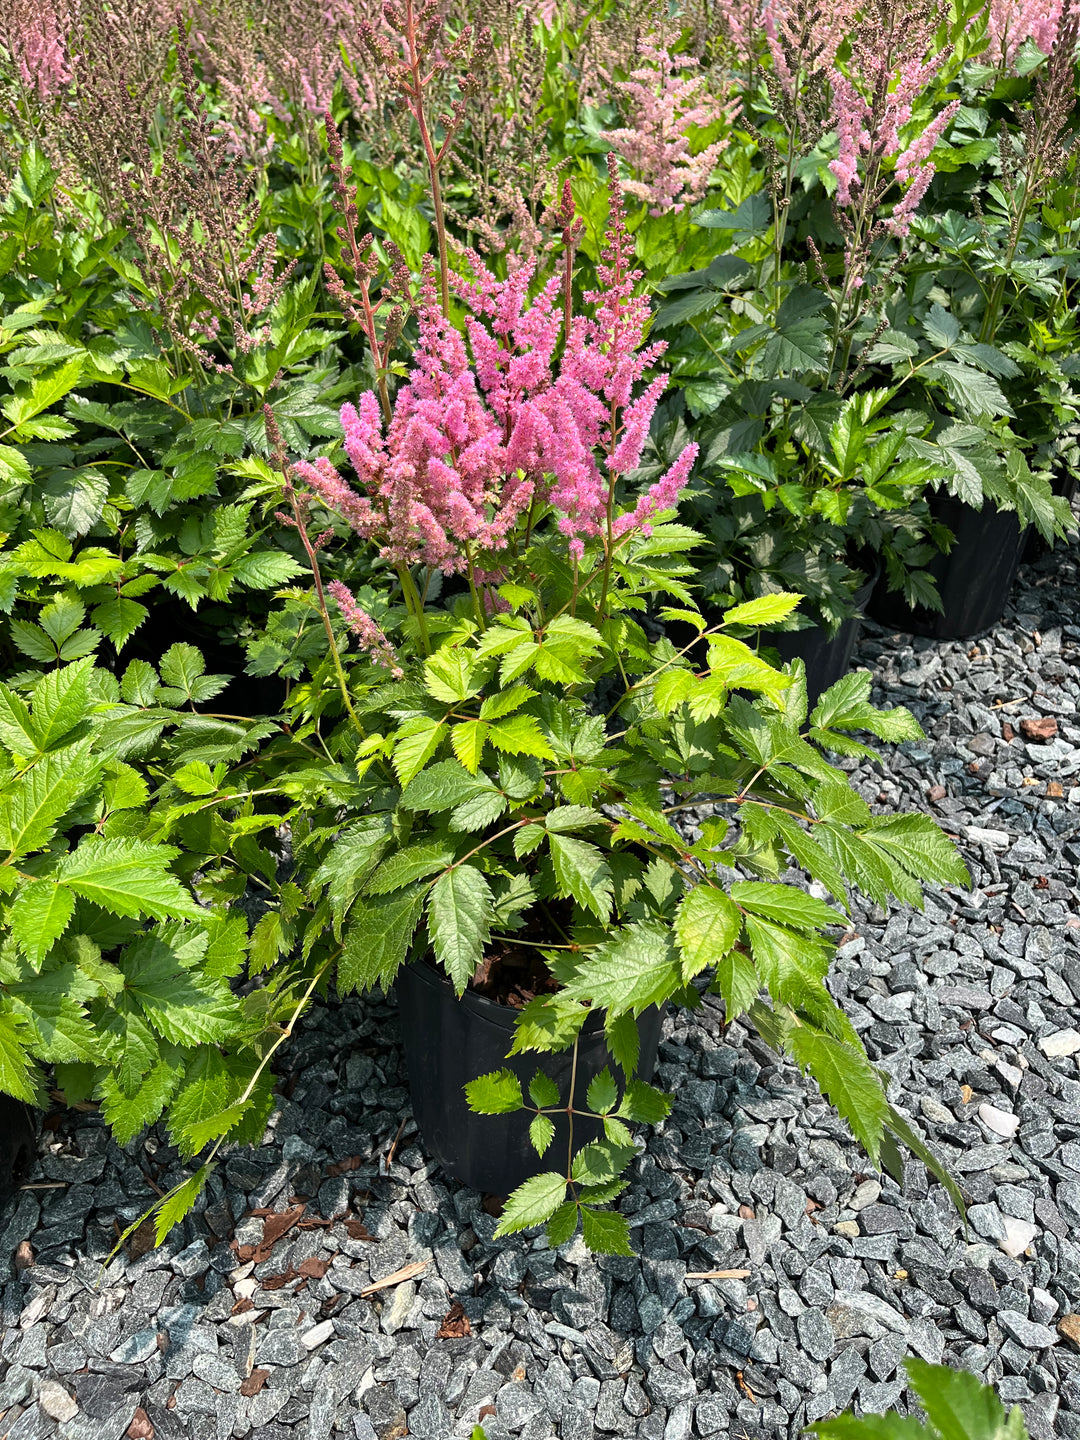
{"points": [[449, 1041], [974, 579], [18, 1143], [827, 658]]}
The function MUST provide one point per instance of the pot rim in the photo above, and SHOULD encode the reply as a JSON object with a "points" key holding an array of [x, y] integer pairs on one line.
{"points": [[502, 1017]]}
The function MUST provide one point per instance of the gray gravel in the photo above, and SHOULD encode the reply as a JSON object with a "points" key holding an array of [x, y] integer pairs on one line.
{"points": [[971, 1008]]}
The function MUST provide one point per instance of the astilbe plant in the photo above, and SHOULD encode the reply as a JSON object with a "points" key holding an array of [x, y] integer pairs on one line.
{"points": [[477, 443], [483, 791], [662, 105], [1010, 22]]}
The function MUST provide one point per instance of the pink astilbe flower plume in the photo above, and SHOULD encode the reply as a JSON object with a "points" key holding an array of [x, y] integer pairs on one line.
{"points": [[1010, 22], [372, 639], [662, 105], [893, 64], [35, 34], [489, 427]]}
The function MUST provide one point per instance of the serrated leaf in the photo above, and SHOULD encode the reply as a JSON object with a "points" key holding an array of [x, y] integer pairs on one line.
{"points": [[459, 921], [179, 1202], [40, 915], [784, 904], [541, 1133], [478, 811], [520, 735], [637, 968], [127, 1115], [442, 786], [265, 569], [34, 803], [543, 1091], [602, 1094], [503, 702], [416, 743], [378, 938], [847, 1080], [582, 873], [765, 610], [562, 1225], [644, 1104], [601, 1161], [791, 966], [532, 1203], [738, 983], [957, 1404], [498, 1093], [118, 618], [415, 862], [61, 701], [921, 847], [183, 1006], [707, 924], [623, 1040], [605, 1232], [127, 877], [17, 1076], [16, 727], [467, 739]]}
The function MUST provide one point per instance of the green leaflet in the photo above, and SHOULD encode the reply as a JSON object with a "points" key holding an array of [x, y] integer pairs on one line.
{"points": [[738, 982], [784, 904], [40, 915], [415, 862], [178, 1203], [32, 805], [459, 921], [707, 925], [532, 1203], [126, 1115], [791, 966], [602, 1094], [127, 877], [377, 941], [496, 1094], [605, 1232], [581, 872], [848, 1081], [635, 969], [17, 1075], [543, 1091], [541, 1133]]}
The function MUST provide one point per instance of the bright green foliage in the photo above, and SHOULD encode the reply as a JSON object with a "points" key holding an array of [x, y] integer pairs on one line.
{"points": [[958, 1406]]}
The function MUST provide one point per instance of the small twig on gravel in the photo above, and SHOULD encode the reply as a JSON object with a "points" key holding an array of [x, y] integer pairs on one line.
{"points": [[397, 1278], [717, 1274], [46, 1185], [390, 1153]]}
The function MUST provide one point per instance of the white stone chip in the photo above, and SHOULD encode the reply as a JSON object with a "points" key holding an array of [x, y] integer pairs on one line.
{"points": [[999, 1121], [1064, 1042], [56, 1402], [996, 839], [317, 1335], [1018, 1236]]}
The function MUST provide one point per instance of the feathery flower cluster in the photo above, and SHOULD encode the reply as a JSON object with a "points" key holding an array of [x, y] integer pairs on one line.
{"points": [[892, 63], [474, 442], [34, 33], [804, 36], [1011, 22], [372, 639], [664, 104]]}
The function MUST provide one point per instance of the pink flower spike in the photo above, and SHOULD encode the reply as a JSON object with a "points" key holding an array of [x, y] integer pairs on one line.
{"points": [[372, 639]]}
